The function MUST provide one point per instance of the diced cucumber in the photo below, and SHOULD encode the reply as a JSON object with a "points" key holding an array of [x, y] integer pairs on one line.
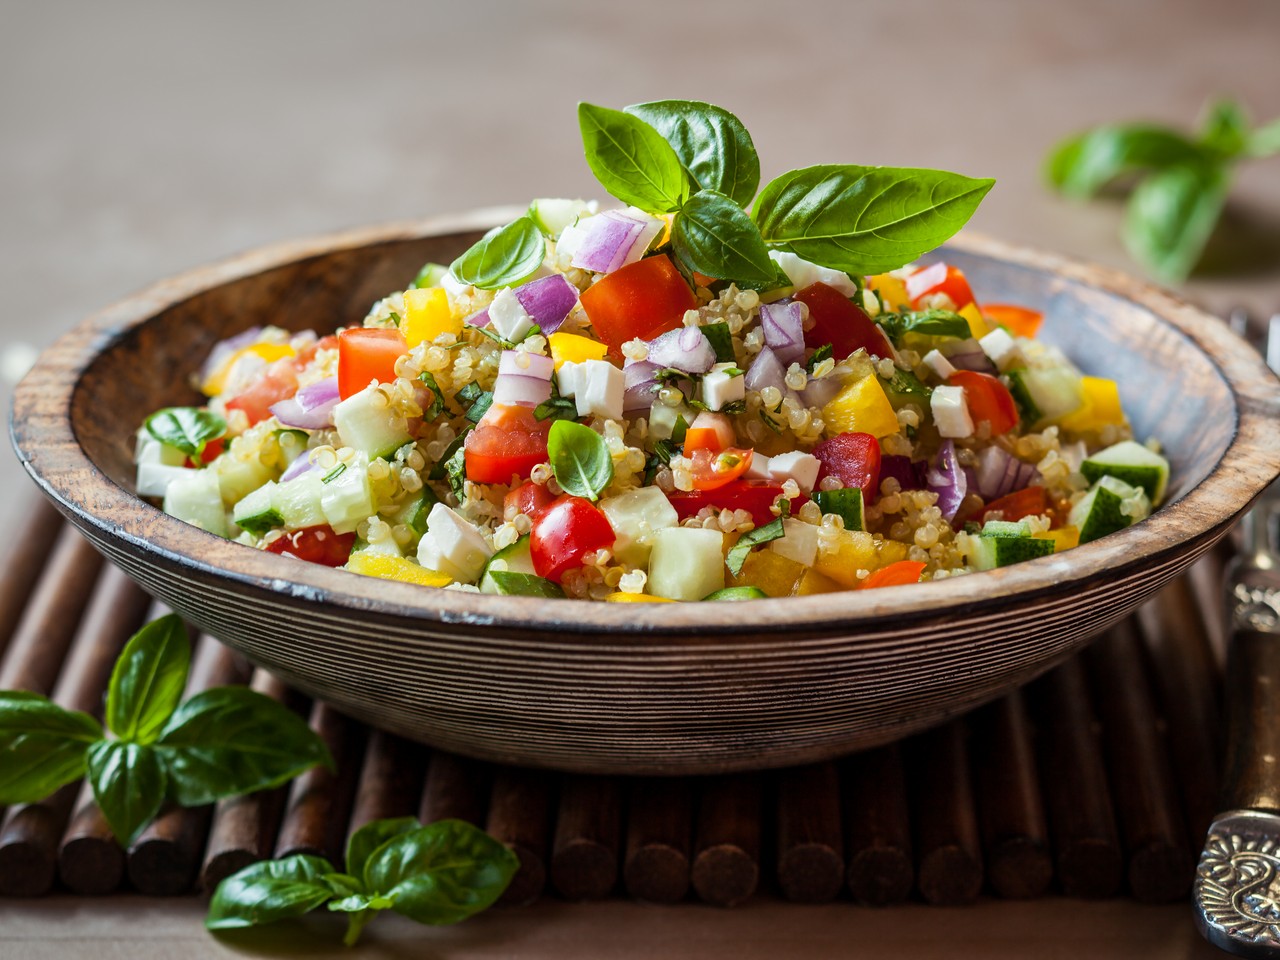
{"points": [[256, 512], [298, 501], [369, 426], [1028, 412], [197, 500], [845, 503], [1005, 528], [347, 498], [1109, 506], [1134, 464], [516, 558], [238, 478], [738, 593], [905, 387], [663, 419], [415, 514], [430, 275], [1047, 393], [552, 214], [687, 563], [154, 478], [150, 450], [987, 553], [635, 516], [512, 584]]}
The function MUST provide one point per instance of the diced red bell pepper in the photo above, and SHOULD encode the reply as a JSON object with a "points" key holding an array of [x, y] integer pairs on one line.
{"points": [[642, 299], [755, 496], [307, 354], [529, 499], [211, 451], [564, 533], [508, 442], [278, 382], [1019, 321], [988, 400], [894, 575], [854, 458], [839, 321], [315, 545], [366, 354], [1027, 502], [939, 278]]}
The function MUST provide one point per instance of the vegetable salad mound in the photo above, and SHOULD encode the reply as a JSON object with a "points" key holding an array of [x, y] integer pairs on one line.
{"points": [[674, 400]]}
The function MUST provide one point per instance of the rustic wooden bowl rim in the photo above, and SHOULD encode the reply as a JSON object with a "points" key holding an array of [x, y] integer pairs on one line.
{"points": [[51, 454]]}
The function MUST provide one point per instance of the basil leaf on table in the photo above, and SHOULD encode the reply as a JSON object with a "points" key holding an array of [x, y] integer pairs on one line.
{"points": [[269, 891], [128, 782], [753, 538], [502, 257], [43, 746], [370, 837], [710, 142], [1170, 216], [146, 684], [631, 159], [232, 740], [865, 220], [1225, 130], [187, 429], [579, 458], [1082, 165], [713, 235]]}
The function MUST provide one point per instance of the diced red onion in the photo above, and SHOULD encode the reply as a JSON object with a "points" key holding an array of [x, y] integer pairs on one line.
{"points": [[1000, 472], [311, 408], [613, 239], [518, 390], [766, 370], [969, 355], [548, 301], [947, 480], [909, 474], [480, 319], [686, 349], [641, 389], [301, 464], [521, 364], [224, 350], [783, 326]]}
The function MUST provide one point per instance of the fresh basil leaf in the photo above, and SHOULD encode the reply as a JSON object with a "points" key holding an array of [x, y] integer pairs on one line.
{"points": [[128, 783], [441, 873], [1170, 216], [513, 584], [1225, 130], [721, 340], [371, 836], [146, 684], [430, 275], [1082, 165], [845, 503], [262, 522], [711, 143], [753, 538], [232, 740], [713, 235], [632, 160], [42, 744], [269, 891], [1265, 141], [343, 884], [579, 458], [186, 428], [823, 352], [455, 471], [436, 407], [865, 219], [925, 323], [477, 410], [359, 903], [439, 470], [502, 257]]}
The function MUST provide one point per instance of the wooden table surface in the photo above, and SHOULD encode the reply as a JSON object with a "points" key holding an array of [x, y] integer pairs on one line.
{"points": [[139, 139]]}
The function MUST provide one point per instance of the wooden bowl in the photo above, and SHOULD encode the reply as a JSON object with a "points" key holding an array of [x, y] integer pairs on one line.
{"points": [[623, 688]]}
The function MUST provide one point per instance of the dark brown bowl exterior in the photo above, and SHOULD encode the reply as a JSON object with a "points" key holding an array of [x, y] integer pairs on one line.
{"points": [[623, 688]]}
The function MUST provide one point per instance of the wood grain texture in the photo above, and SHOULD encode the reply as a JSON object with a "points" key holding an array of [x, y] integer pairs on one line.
{"points": [[663, 688]]}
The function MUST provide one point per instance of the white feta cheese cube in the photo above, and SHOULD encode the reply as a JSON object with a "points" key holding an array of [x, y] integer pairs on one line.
{"points": [[600, 390], [508, 317], [569, 378], [453, 546], [1000, 347], [759, 469], [801, 273], [799, 542], [939, 364], [719, 389], [950, 412], [794, 465]]}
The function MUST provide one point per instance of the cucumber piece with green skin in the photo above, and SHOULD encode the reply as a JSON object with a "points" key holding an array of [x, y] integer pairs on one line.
{"points": [[1005, 528], [1028, 412], [516, 558], [1109, 506], [256, 512], [415, 515], [298, 501], [987, 553], [845, 503], [1134, 464], [365, 424], [347, 497], [738, 593], [509, 583], [430, 275], [197, 500], [663, 419], [552, 214], [687, 563], [1048, 393], [238, 478]]}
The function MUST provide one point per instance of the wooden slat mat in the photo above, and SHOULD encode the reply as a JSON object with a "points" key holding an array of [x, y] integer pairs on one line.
{"points": [[1097, 780]]}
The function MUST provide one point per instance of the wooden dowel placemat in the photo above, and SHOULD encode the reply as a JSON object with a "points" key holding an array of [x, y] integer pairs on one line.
{"points": [[1095, 781]]}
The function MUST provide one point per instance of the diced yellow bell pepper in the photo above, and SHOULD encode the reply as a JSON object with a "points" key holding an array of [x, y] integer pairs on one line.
{"points": [[1101, 407], [978, 325], [814, 582], [857, 550], [773, 573], [571, 348], [861, 407], [893, 291], [427, 315], [270, 352], [635, 598], [387, 567], [1064, 538]]}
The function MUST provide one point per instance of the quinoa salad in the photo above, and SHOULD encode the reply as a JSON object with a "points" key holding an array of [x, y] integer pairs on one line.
{"points": [[691, 396]]}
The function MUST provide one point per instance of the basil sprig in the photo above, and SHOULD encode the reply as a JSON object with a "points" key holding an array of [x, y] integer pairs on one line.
{"points": [[1183, 180], [220, 743], [579, 458], [738, 553], [697, 161], [188, 429], [438, 874], [503, 257]]}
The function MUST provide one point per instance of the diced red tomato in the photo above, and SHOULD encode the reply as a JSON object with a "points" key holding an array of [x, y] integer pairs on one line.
{"points": [[564, 533], [509, 441], [278, 382], [210, 453], [315, 545], [854, 458], [837, 320], [988, 399], [709, 431], [529, 498], [713, 469], [366, 354], [755, 496], [642, 299], [1020, 321], [939, 278], [894, 575], [1027, 502]]}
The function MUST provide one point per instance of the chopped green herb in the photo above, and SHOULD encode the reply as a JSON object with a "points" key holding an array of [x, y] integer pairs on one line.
{"points": [[334, 474], [437, 396], [721, 340], [739, 551], [438, 471], [822, 353]]}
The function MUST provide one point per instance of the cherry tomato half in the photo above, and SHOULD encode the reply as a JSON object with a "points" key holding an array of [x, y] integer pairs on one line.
{"points": [[854, 458], [939, 278], [988, 399], [529, 499], [1020, 321], [714, 468], [1028, 502], [366, 354], [315, 545], [894, 575], [837, 320], [508, 442], [642, 299], [564, 533]]}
